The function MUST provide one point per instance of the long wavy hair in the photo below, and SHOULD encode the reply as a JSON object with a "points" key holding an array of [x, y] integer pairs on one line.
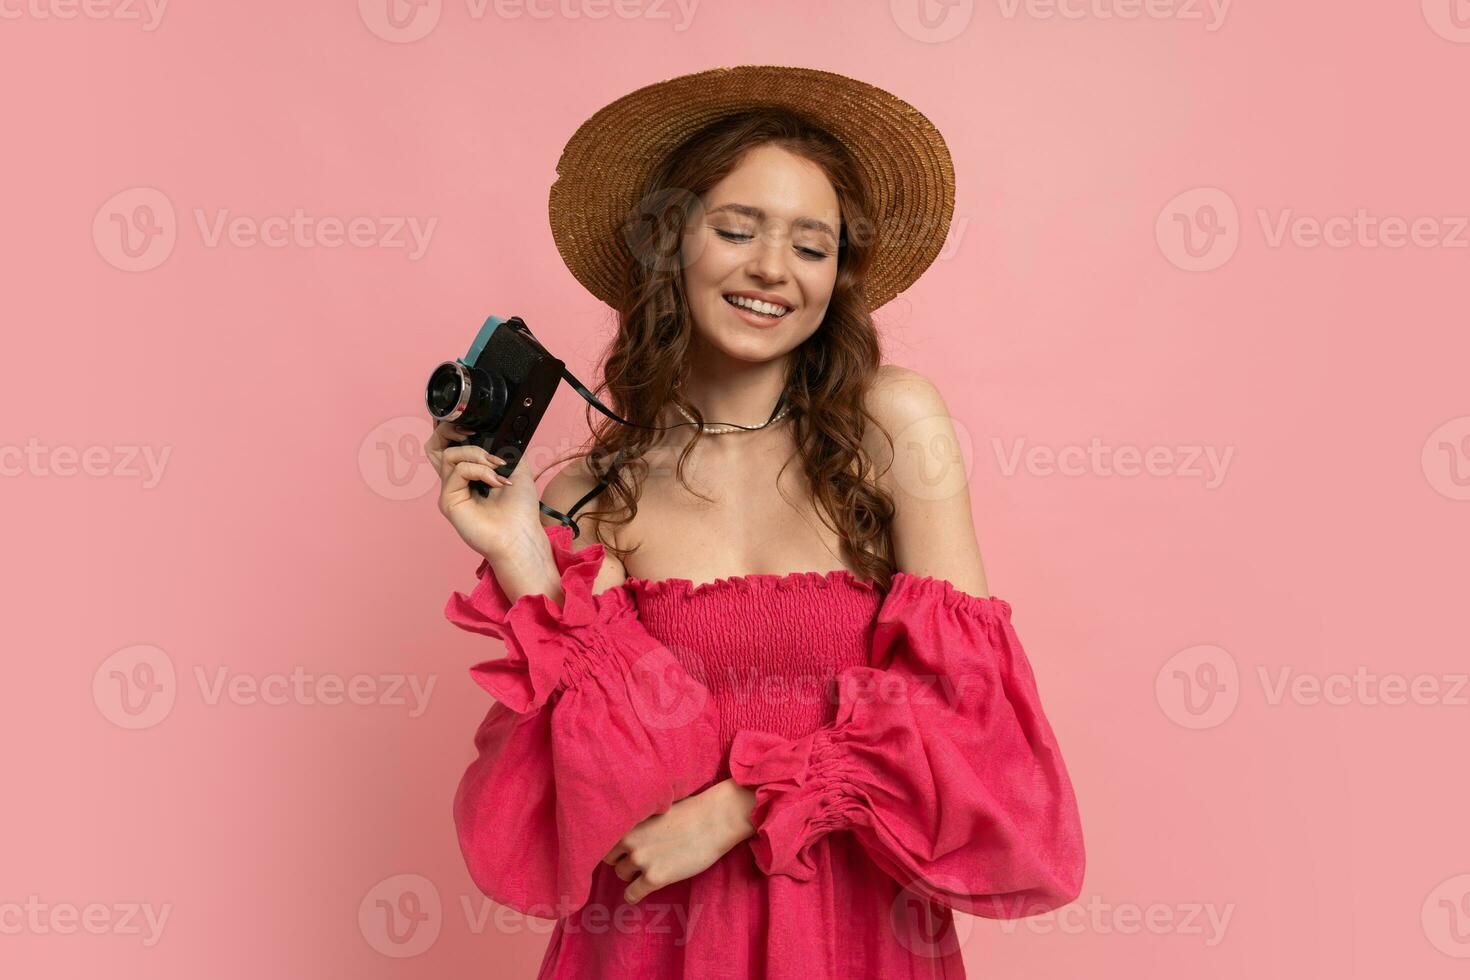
{"points": [[829, 373]]}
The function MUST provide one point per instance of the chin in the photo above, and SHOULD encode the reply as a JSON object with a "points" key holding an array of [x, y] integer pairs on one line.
{"points": [[735, 340], [754, 349]]}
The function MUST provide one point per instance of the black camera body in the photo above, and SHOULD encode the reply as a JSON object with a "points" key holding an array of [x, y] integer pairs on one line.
{"points": [[499, 391]]}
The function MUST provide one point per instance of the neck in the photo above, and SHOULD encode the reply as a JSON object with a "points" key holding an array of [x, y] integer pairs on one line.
{"points": [[739, 393]]}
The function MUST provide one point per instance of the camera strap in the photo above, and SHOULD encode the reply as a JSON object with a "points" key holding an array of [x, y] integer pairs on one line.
{"points": [[619, 458]]}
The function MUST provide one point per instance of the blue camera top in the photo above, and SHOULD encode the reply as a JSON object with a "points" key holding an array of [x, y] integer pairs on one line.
{"points": [[481, 339]]}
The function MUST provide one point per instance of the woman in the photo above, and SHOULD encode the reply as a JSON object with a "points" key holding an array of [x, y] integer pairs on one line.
{"points": [[760, 717]]}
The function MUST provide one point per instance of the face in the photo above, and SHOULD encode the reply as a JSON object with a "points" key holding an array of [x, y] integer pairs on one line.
{"points": [[768, 231]]}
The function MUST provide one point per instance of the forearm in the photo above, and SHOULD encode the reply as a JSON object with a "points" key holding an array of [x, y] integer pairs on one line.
{"points": [[736, 804], [526, 567]]}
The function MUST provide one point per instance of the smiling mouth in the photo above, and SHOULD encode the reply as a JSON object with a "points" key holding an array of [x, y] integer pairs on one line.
{"points": [[761, 313]]}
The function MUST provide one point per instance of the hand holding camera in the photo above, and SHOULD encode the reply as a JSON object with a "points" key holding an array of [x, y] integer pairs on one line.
{"points": [[493, 523], [486, 407]]}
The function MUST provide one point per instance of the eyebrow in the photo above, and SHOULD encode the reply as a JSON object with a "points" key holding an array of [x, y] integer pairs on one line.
{"points": [[759, 215]]}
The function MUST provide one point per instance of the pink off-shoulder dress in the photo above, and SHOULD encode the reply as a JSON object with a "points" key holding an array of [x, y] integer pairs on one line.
{"points": [[895, 741]]}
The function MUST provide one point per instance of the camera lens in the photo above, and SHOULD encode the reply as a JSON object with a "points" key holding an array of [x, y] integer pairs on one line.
{"points": [[470, 397], [448, 392]]}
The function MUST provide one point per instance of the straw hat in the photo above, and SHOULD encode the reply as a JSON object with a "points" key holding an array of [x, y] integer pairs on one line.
{"points": [[606, 164]]}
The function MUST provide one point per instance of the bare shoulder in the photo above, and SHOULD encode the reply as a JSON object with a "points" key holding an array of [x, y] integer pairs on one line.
{"points": [[933, 530], [570, 484], [900, 391], [901, 399]]}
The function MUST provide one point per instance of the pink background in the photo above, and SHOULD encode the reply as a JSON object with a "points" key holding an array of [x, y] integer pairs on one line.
{"points": [[292, 524]]}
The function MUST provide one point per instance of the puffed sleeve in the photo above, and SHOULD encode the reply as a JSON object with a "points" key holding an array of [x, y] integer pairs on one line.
{"points": [[595, 727], [940, 762]]}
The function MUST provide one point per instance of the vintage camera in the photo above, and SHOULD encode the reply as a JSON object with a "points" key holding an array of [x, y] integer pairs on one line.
{"points": [[499, 391]]}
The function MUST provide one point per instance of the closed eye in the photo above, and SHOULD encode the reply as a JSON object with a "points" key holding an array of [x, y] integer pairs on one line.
{"points": [[736, 236]]}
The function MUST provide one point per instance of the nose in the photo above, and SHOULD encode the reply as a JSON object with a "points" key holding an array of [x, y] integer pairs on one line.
{"points": [[768, 260]]}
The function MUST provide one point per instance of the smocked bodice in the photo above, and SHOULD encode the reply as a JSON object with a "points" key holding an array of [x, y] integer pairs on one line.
{"points": [[766, 646]]}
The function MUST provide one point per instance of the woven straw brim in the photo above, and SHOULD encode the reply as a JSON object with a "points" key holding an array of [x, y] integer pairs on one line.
{"points": [[605, 165]]}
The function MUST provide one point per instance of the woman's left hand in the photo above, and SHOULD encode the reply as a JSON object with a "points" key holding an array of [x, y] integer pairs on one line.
{"points": [[681, 842]]}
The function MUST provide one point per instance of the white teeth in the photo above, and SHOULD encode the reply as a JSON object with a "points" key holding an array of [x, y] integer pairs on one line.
{"points": [[769, 309]]}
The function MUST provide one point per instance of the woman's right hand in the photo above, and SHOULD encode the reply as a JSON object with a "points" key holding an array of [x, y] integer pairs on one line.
{"points": [[491, 524]]}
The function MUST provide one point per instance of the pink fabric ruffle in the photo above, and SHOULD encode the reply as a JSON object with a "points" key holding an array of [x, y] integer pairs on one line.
{"points": [[596, 726], [940, 762], [538, 659]]}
